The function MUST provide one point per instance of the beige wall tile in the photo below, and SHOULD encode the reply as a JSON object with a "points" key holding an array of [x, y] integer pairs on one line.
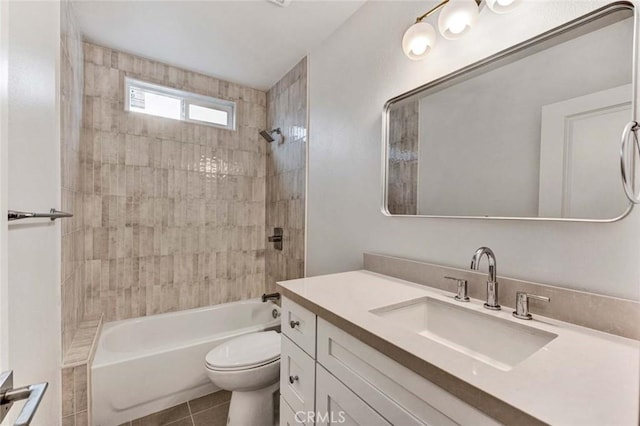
{"points": [[170, 215], [156, 191], [68, 399], [285, 175]]}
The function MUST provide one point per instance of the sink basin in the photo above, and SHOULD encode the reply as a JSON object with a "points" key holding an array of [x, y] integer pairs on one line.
{"points": [[500, 343]]}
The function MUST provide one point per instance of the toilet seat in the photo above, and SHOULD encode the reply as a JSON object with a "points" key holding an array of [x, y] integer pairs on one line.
{"points": [[245, 352], [247, 368]]}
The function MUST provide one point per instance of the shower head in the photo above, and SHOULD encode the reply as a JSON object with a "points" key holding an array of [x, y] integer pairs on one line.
{"points": [[266, 134]]}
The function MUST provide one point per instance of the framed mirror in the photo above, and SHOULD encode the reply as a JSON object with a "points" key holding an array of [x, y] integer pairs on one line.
{"points": [[532, 132]]}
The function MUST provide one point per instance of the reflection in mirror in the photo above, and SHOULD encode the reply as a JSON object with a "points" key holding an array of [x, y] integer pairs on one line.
{"points": [[530, 133]]}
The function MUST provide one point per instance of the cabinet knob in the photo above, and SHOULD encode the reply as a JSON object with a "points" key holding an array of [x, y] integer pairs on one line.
{"points": [[293, 324], [293, 379]]}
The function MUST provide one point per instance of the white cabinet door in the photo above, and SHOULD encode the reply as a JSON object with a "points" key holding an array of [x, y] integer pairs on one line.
{"points": [[288, 417], [297, 377], [336, 404]]}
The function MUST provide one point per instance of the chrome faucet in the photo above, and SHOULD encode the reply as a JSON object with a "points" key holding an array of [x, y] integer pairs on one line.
{"points": [[492, 283]]}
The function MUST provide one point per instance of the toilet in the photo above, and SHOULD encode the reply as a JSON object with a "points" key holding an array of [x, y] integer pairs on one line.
{"points": [[249, 367]]}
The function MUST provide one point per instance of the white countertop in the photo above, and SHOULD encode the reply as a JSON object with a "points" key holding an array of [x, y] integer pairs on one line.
{"points": [[582, 377]]}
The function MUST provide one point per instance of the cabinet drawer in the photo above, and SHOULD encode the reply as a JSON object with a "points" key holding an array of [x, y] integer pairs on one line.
{"points": [[299, 324], [297, 377], [400, 395], [288, 416], [336, 404]]}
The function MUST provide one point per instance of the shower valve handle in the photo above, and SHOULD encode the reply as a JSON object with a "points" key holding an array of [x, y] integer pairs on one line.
{"points": [[277, 238]]}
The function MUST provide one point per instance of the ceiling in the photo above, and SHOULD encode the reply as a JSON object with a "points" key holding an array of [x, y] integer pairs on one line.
{"points": [[251, 42]]}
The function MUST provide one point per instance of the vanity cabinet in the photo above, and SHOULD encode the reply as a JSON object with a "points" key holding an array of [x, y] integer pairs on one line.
{"points": [[336, 404], [341, 380], [287, 416]]}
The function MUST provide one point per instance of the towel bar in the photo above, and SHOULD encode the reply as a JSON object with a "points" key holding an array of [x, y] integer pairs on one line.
{"points": [[53, 215]]}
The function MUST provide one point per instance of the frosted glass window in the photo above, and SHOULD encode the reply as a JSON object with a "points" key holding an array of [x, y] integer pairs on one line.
{"points": [[161, 101], [154, 104], [208, 115]]}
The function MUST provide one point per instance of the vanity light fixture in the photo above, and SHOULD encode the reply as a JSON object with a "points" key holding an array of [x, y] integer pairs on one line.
{"points": [[456, 19]]}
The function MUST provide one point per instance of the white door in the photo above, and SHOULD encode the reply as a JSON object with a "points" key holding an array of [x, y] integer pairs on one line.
{"points": [[30, 180], [579, 156]]}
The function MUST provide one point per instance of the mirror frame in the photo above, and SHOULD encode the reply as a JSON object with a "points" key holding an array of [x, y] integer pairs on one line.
{"points": [[518, 51]]}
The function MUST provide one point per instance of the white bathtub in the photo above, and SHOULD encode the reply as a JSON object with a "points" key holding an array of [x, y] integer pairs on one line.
{"points": [[144, 365]]}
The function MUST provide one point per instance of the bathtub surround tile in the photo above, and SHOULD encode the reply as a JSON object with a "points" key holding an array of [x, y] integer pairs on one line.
{"points": [[83, 345], [78, 336], [286, 175], [80, 389], [69, 420], [71, 88], [169, 215], [82, 418], [159, 193], [68, 397], [75, 396]]}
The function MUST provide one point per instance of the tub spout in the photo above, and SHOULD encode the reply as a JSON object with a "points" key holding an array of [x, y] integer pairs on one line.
{"points": [[270, 296]]}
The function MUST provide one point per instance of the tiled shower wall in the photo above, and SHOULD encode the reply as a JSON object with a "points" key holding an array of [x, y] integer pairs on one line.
{"points": [[74, 380], [174, 211], [71, 85], [286, 174], [403, 159], [168, 215]]}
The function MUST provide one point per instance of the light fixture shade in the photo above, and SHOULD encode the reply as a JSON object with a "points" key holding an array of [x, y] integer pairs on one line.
{"points": [[418, 40], [457, 17], [503, 6]]}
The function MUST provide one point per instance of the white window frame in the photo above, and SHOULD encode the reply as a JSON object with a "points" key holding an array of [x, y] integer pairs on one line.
{"points": [[187, 98]]}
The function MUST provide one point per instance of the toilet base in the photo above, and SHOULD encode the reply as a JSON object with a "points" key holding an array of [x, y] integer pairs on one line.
{"points": [[252, 408]]}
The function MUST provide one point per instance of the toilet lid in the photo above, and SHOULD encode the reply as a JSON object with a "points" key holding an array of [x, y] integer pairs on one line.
{"points": [[246, 351]]}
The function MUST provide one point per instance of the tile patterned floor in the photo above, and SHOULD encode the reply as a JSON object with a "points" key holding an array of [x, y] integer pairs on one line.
{"points": [[209, 410]]}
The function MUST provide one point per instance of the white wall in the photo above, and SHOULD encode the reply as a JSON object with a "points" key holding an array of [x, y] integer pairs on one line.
{"points": [[31, 292], [351, 76]]}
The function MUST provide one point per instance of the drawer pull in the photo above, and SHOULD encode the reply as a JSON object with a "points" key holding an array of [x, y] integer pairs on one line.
{"points": [[293, 379], [293, 324]]}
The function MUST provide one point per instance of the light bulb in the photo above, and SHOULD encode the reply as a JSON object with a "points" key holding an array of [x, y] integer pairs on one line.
{"points": [[418, 40], [458, 23], [457, 17], [419, 45], [503, 6]]}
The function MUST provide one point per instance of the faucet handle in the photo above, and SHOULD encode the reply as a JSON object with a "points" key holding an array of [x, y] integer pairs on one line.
{"points": [[461, 295], [522, 304]]}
